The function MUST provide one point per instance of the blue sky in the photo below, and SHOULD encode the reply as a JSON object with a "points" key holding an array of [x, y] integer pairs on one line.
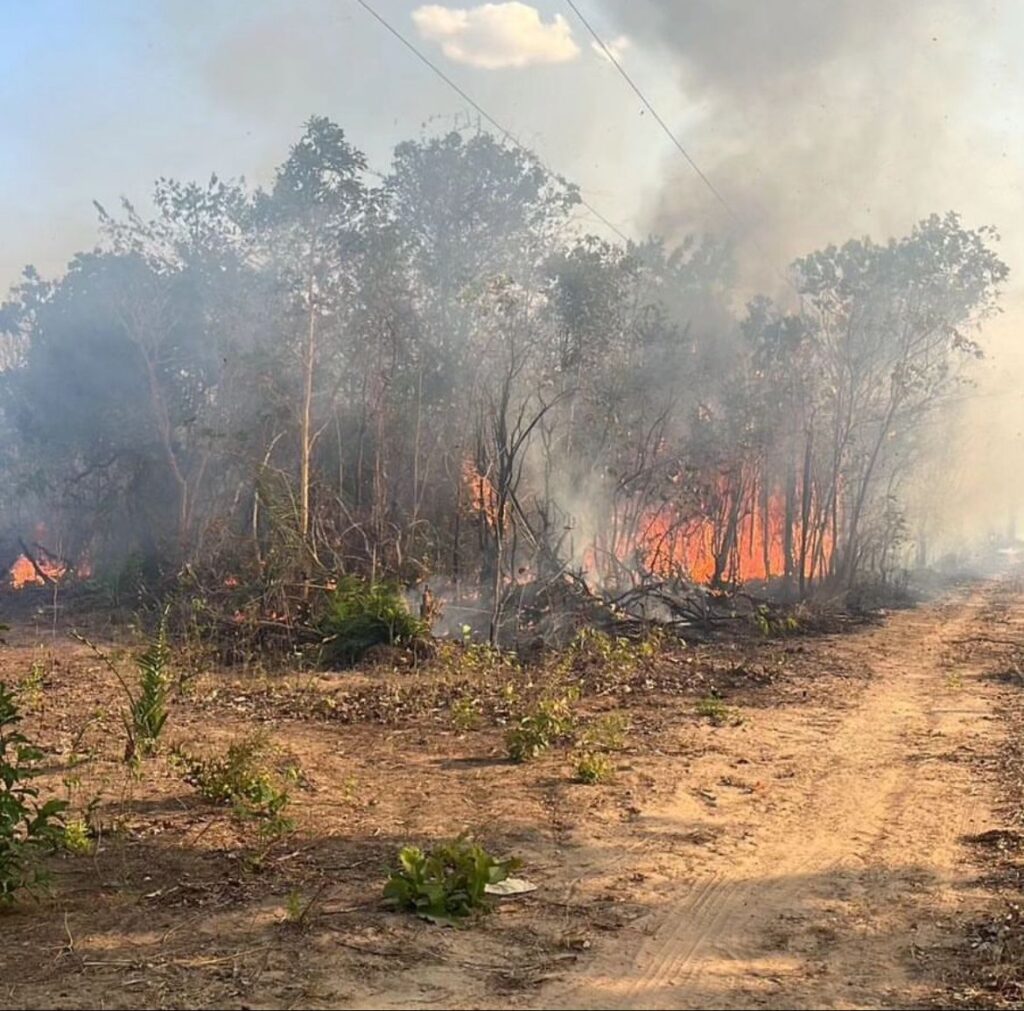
{"points": [[100, 97]]}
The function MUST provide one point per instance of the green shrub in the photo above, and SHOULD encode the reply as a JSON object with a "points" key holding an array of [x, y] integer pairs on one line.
{"points": [[361, 614], [548, 721], [716, 711], [593, 767], [618, 656], [465, 713], [146, 712], [446, 884], [607, 733], [77, 837], [30, 690], [27, 828], [242, 777], [770, 624]]}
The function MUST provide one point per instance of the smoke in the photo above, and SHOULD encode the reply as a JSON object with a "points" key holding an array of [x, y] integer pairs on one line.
{"points": [[821, 122]]}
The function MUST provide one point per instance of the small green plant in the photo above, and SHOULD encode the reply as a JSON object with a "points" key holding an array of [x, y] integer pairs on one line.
{"points": [[294, 906], [775, 625], [30, 689], [465, 713], [593, 767], [618, 654], [361, 614], [607, 733], [447, 883], [714, 710], [77, 837], [146, 712], [242, 778], [28, 829], [148, 705], [550, 720]]}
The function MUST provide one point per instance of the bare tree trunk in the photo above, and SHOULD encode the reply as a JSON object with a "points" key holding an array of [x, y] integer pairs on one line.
{"points": [[306, 422], [787, 530], [805, 508], [766, 525], [850, 555]]}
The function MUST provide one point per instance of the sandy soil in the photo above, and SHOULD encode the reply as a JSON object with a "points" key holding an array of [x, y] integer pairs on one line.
{"points": [[840, 860], [812, 854]]}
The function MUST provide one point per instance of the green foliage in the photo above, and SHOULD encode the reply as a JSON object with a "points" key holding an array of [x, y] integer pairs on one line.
{"points": [[593, 767], [148, 707], [27, 828], [77, 837], [620, 653], [146, 712], [243, 778], [716, 711], [475, 659], [30, 688], [295, 906], [361, 614], [548, 721], [607, 733], [465, 713], [770, 624], [447, 883]]}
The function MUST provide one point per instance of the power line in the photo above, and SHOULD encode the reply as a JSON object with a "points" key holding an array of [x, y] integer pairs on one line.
{"points": [[469, 100], [654, 112], [701, 174]]}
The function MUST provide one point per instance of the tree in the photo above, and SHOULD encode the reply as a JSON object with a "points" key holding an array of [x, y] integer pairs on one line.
{"points": [[313, 217], [895, 322]]}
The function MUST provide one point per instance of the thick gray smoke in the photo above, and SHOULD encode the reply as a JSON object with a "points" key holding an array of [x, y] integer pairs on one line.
{"points": [[819, 121], [822, 121]]}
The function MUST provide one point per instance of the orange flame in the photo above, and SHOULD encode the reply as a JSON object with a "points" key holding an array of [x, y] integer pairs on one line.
{"points": [[23, 572], [483, 499], [668, 542]]}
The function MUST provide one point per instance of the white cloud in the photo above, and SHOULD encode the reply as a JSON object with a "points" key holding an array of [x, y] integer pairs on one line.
{"points": [[617, 47], [497, 35]]}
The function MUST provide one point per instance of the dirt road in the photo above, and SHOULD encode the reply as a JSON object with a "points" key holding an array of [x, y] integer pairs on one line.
{"points": [[810, 854], [839, 860]]}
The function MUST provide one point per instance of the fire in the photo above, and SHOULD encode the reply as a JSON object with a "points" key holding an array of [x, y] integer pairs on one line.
{"points": [[734, 534], [757, 552], [23, 572], [483, 499], [46, 564], [736, 540]]}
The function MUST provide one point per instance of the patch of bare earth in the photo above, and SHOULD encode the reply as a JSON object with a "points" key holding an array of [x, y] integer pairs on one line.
{"points": [[836, 872], [808, 854]]}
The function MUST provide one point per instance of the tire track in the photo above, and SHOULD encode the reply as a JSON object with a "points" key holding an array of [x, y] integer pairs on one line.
{"points": [[844, 859]]}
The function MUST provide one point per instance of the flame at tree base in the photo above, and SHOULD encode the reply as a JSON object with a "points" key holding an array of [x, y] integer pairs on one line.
{"points": [[23, 573]]}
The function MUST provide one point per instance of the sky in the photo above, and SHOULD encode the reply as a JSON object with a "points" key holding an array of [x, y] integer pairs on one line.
{"points": [[100, 97], [818, 120]]}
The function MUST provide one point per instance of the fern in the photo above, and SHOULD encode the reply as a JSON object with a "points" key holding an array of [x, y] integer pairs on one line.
{"points": [[148, 708]]}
